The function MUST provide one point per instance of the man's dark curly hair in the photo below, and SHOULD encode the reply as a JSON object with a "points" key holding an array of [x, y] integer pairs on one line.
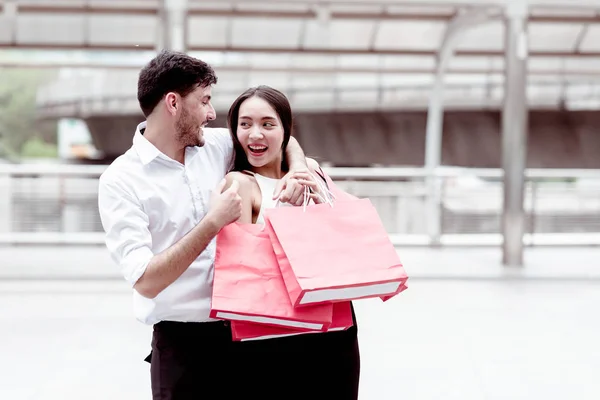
{"points": [[171, 71]]}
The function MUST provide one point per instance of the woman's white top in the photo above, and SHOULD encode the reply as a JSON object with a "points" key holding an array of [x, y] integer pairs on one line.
{"points": [[267, 187]]}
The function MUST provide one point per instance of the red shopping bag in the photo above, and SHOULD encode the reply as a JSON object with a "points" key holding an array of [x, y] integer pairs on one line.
{"points": [[244, 331], [334, 253], [248, 285]]}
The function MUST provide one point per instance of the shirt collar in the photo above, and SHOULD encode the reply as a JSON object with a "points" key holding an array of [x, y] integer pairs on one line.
{"points": [[146, 150]]}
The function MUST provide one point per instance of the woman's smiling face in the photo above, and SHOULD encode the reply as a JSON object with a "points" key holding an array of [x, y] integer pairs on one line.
{"points": [[260, 132]]}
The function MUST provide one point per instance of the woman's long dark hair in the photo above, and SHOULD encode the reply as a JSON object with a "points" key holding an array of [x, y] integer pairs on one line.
{"points": [[280, 104]]}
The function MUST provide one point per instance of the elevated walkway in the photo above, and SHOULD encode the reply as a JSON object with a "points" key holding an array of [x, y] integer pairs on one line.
{"points": [[556, 139]]}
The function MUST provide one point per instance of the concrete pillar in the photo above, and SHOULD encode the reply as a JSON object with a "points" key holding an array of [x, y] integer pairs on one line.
{"points": [[433, 159], [514, 134], [435, 117], [172, 33]]}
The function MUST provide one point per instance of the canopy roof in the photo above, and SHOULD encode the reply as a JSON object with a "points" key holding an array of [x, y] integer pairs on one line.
{"points": [[382, 49]]}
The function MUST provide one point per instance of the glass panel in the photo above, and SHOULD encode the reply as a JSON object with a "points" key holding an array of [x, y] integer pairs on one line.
{"points": [[410, 35], [122, 29], [345, 34], [265, 32], [44, 28], [553, 37], [408, 62], [207, 31], [591, 40], [487, 37]]}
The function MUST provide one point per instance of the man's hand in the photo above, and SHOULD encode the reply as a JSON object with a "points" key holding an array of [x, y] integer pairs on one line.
{"points": [[290, 188], [225, 206]]}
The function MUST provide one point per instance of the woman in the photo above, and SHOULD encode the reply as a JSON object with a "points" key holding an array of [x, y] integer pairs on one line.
{"points": [[325, 364]]}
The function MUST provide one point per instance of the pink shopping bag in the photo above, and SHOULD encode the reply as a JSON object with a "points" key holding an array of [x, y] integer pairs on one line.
{"points": [[341, 195], [244, 331], [334, 253], [401, 289], [248, 285]]}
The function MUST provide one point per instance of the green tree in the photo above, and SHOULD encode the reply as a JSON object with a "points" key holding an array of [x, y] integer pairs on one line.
{"points": [[18, 124], [37, 148]]}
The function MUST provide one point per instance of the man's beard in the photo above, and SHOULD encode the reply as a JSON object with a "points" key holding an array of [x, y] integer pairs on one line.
{"points": [[188, 130]]}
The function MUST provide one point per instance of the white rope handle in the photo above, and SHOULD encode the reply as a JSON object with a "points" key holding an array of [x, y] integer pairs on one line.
{"points": [[329, 196], [306, 198]]}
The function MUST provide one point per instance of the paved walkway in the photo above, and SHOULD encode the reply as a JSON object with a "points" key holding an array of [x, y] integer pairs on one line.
{"points": [[556, 263], [470, 338]]}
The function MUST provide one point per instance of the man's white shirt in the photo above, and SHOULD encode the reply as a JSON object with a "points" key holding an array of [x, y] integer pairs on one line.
{"points": [[147, 202]]}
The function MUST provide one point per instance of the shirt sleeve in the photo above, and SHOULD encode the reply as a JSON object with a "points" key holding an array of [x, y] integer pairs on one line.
{"points": [[221, 138], [125, 224]]}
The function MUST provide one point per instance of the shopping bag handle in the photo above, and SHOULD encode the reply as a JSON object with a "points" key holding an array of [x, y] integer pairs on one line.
{"points": [[323, 188], [305, 199], [324, 194], [322, 176]]}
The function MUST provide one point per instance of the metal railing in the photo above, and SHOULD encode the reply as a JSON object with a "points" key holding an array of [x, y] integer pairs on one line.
{"points": [[58, 204]]}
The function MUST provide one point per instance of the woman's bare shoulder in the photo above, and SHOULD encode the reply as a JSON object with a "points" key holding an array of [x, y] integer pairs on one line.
{"points": [[244, 179], [241, 177]]}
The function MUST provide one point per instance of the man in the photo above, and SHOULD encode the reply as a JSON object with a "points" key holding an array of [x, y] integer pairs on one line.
{"points": [[162, 204]]}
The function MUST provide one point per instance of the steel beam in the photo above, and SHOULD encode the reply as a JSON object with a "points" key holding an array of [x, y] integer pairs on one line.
{"points": [[386, 51], [568, 4], [49, 64], [298, 50], [442, 16], [87, 8]]}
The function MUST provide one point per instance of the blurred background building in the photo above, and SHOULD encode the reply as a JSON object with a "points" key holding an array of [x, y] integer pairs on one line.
{"points": [[472, 126], [465, 123]]}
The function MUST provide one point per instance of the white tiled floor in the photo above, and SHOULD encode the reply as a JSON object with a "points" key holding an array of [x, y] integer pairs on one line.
{"points": [[72, 340], [93, 262], [484, 339]]}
